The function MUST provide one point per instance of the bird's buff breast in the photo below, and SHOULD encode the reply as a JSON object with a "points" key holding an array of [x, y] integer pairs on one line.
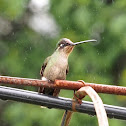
{"points": [[56, 69]]}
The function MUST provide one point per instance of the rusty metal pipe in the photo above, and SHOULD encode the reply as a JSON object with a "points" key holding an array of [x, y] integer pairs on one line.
{"points": [[64, 84]]}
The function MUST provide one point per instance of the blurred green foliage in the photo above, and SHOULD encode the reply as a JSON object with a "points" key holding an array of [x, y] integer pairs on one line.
{"points": [[22, 52]]}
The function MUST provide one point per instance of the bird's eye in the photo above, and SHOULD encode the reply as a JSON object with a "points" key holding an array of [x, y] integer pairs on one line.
{"points": [[67, 44], [61, 45]]}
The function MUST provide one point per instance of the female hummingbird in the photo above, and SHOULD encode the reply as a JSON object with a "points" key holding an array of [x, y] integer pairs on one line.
{"points": [[56, 66]]}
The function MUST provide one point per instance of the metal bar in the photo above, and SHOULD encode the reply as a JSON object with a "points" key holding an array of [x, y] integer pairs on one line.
{"points": [[98, 104], [64, 84], [31, 97]]}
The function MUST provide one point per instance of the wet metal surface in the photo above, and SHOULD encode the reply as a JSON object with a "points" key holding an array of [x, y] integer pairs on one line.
{"points": [[59, 103], [64, 84]]}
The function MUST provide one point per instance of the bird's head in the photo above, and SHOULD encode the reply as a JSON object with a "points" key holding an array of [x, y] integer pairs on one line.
{"points": [[66, 45]]}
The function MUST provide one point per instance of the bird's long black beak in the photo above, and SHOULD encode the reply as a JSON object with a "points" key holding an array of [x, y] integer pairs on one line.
{"points": [[92, 40]]}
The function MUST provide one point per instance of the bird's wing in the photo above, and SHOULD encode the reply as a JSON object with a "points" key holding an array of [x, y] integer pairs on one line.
{"points": [[67, 70], [41, 89], [44, 65]]}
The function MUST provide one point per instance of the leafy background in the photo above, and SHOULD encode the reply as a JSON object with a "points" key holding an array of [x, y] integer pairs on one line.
{"points": [[29, 31]]}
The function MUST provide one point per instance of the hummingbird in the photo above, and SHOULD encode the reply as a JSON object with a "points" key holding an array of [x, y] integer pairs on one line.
{"points": [[56, 66]]}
